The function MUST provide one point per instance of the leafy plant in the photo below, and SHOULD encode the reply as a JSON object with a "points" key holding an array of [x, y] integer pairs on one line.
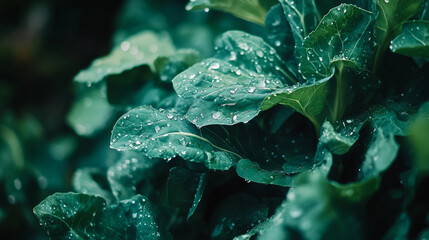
{"points": [[309, 131]]}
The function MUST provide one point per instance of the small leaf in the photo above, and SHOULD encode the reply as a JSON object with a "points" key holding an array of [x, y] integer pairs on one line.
{"points": [[140, 49], [165, 134], [74, 216], [250, 10], [251, 171], [413, 41]]}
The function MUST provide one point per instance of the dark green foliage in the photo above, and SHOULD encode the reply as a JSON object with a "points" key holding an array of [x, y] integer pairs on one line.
{"points": [[301, 133]]}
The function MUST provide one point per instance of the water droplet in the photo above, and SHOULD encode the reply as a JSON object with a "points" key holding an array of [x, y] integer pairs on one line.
{"points": [[125, 46], [157, 128], [277, 43], [386, 1], [259, 53], [251, 89], [238, 72], [217, 115], [206, 10], [214, 65]]}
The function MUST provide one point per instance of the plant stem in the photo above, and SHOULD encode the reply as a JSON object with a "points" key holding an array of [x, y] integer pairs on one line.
{"points": [[338, 110]]}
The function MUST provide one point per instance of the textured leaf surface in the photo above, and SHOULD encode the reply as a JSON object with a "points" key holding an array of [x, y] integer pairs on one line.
{"points": [[164, 134], [250, 10], [81, 216], [413, 41], [344, 34], [74, 216], [139, 49]]}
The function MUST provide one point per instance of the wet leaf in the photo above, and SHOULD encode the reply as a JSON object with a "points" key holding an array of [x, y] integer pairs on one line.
{"points": [[344, 34], [140, 49], [413, 41], [165, 134]]}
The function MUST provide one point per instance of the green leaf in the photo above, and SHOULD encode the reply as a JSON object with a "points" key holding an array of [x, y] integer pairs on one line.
{"points": [[235, 215], [90, 113], [251, 171], [413, 41], [383, 148], [391, 15], [344, 34], [280, 37], [250, 10], [145, 221], [140, 49], [128, 172], [164, 134], [303, 17], [75, 216], [227, 92], [340, 142], [185, 189], [81, 216], [92, 181]]}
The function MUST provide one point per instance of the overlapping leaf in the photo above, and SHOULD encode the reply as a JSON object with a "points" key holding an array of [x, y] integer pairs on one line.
{"points": [[81, 216], [413, 41], [140, 49], [164, 134], [344, 34]]}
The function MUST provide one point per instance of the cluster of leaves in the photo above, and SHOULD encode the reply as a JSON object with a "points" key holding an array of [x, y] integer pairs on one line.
{"points": [[317, 129]]}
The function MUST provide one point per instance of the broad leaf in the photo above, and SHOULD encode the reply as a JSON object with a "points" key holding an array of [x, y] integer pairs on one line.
{"points": [[164, 134], [250, 10], [419, 129], [227, 92], [344, 34], [413, 41], [137, 50], [76, 216]]}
